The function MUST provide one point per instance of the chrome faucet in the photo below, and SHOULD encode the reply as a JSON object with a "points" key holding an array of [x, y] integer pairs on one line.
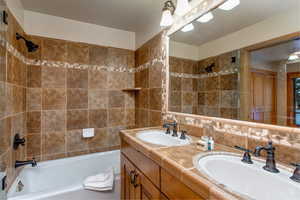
{"points": [[270, 161], [32, 162], [175, 129]]}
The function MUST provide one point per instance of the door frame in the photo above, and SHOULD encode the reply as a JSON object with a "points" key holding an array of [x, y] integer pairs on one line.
{"points": [[290, 97], [245, 70]]}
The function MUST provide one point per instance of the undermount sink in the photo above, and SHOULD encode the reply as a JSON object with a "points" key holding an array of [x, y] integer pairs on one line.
{"points": [[159, 137], [248, 180]]}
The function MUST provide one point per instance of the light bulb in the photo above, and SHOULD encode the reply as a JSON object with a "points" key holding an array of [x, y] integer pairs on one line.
{"points": [[293, 57], [229, 5], [188, 28], [166, 18], [182, 7], [206, 18]]}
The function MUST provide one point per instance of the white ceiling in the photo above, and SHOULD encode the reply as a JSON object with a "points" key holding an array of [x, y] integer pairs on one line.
{"points": [[273, 54], [130, 15], [249, 12]]}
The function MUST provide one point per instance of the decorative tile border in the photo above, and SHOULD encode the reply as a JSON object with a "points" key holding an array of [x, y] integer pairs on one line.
{"points": [[202, 76], [67, 65]]}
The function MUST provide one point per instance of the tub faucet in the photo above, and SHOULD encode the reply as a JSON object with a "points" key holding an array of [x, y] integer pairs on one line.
{"points": [[270, 161], [28, 162]]}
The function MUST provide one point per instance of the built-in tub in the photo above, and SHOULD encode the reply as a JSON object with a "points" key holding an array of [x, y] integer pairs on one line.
{"points": [[52, 178]]}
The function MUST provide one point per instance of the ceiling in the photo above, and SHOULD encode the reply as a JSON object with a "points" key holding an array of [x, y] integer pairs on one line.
{"points": [[275, 53], [249, 12], [130, 15]]}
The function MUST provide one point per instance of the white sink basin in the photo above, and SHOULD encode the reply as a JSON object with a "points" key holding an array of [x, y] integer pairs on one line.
{"points": [[249, 180], [159, 137]]}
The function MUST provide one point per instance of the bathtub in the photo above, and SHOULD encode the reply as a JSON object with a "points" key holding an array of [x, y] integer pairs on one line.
{"points": [[58, 177]]}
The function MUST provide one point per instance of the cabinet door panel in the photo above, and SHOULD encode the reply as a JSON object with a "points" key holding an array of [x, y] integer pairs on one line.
{"points": [[135, 185], [143, 163], [176, 190], [129, 191]]}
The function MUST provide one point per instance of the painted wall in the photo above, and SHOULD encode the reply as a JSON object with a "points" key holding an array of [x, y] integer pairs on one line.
{"points": [[17, 9], [61, 28], [262, 31], [182, 50]]}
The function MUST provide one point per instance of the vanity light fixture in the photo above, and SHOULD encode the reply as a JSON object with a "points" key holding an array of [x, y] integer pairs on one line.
{"points": [[168, 11], [294, 56], [188, 28], [229, 4], [206, 18], [182, 7]]}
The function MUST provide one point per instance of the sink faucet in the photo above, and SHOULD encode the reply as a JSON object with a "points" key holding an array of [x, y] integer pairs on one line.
{"points": [[296, 175], [28, 162], [270, 161], [175, 129]]}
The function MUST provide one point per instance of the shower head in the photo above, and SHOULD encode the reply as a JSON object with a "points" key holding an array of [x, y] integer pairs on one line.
{"points": [[31, 47], [209, 69]]}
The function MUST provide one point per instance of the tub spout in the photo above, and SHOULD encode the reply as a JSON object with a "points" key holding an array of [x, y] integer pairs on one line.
{"points": [[32, 162]]}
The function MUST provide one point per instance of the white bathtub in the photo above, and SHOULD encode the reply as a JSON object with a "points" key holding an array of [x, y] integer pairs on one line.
{"points": [[52, 178]]}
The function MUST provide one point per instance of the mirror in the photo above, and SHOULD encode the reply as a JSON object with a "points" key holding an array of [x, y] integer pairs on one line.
{"points": [[242, 63]]}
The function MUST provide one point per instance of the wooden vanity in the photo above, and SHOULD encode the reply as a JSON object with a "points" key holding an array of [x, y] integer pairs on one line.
{"points": [[143, 178], [155, 172]]}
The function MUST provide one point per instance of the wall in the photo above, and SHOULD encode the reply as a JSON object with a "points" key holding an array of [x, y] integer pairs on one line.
{"points": [[17, 10], [183, 94], [195, 91], [72, 86], [13, 97], [61, 28], [182, 50], [262, 31], [49, 96], [149, 68]]}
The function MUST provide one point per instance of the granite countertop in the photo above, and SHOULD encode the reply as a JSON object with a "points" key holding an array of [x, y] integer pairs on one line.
{"points": [[178, 161]]}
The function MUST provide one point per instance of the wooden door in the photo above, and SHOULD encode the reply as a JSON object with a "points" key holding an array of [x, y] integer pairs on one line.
{"points": [[135, 186], [292, 108], [263, 96]]}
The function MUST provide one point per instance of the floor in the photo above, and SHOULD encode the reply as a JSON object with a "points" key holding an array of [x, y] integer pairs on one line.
{"points": [[89, 195]]}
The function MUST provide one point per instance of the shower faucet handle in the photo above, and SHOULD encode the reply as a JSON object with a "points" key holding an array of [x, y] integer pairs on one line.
{"points": [[18, 141]]}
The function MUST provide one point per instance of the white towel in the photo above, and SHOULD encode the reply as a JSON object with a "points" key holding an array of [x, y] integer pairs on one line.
{"points": [[100, 182]]}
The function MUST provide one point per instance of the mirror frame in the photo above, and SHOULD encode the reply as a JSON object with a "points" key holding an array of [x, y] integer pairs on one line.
{"points": [[200, 120]]}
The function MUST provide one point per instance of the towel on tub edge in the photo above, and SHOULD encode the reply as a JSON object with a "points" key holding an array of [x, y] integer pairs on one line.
{"points": [[100, 182]]}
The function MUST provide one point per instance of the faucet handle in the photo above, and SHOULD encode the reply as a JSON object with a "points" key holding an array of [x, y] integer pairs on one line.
{"points": [[296, 174], [243, 149], [34, 163], [183, 135], [295, 164], [246, 157]]}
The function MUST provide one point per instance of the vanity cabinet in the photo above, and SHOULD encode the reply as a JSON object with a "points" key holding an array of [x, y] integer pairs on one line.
{"points": [[144, 179]]}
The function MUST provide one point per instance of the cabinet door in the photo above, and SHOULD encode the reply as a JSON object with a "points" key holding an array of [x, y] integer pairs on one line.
{"points": [[129, 191], [146, 188], [136, 186]]}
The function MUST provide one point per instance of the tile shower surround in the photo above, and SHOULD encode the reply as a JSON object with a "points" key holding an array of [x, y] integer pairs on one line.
{"points": [[12, 98], [72, 86], [194, 91]]}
